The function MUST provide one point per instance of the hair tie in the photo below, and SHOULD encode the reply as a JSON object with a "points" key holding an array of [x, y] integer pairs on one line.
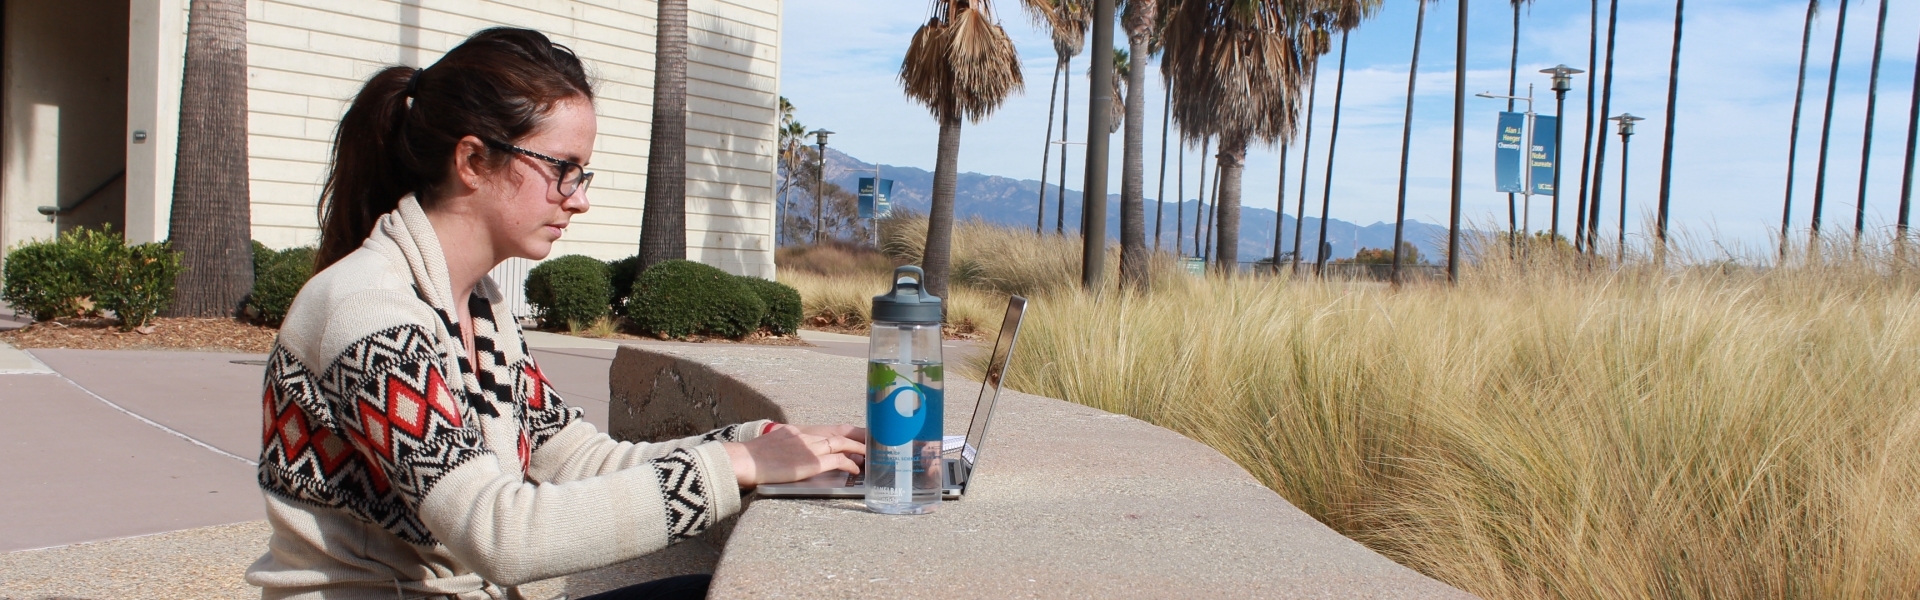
{"points": [[413, 83]]}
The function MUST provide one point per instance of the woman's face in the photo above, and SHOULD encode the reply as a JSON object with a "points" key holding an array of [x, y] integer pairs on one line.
{"points": [[530, 214]]}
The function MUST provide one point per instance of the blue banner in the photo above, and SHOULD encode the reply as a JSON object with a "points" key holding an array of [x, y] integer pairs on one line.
{"points": [[874, 198], [1544, 155], [1506, 153]]}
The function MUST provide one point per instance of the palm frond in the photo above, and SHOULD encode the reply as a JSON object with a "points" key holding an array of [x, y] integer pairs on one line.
{"points": [[961, 63], [1237, 66]]}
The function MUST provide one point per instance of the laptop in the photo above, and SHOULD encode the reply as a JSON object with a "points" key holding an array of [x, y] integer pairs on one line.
{"points": [[960, 454]]}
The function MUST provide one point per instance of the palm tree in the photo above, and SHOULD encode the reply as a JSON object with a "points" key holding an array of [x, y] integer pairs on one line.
{"points": [[1600, 148], [1223, 93], [1160, 212], [1913, 145], [1459, 143], [1139, 17], [1066, 21], [663, 224], [1866, 146], [1406, 140], [1345, 16], [792, 139], [1666, 152], [211, 223], [1793, 137], [1306, 159], [1826, 130], [1333, 145], [960, 64], [1586, 147], [1200, 197]]}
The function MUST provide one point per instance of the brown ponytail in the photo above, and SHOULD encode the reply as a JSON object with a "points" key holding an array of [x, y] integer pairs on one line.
{"points": [[398, 136]]}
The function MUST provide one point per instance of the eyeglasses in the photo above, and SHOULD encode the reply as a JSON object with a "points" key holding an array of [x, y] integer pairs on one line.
{"points": [[573, 177]]}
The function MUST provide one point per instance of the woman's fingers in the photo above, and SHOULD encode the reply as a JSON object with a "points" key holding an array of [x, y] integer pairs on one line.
{"points": [[844, 445], [839, 462]]}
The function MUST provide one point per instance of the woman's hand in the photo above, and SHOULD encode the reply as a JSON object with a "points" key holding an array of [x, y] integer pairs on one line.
{"points": [[790, 453]]}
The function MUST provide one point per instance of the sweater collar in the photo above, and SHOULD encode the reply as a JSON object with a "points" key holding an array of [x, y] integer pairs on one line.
{"points": [[410, 230]]}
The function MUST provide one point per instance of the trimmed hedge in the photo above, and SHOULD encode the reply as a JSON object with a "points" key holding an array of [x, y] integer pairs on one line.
{"points": [[621, 273], [570, 291], [84, 272], [278, 276], [679, 298], [783, 305]]}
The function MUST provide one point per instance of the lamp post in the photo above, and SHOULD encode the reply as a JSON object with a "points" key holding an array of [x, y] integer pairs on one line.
{"points": [[1562, 82], [820, 184], [1626, 121]]}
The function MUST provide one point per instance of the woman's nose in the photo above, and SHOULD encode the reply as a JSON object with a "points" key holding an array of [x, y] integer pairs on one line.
{"points": [[577, 203]]}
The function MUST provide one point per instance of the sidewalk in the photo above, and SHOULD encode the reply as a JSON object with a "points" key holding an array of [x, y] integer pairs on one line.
{"points": [[104, 447]]}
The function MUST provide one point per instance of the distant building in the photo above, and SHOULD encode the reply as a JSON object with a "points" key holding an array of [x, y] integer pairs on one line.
{"points": [[92, 94]]}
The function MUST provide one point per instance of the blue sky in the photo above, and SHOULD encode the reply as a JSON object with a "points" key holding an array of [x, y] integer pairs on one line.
{"points": [[840, 59]]}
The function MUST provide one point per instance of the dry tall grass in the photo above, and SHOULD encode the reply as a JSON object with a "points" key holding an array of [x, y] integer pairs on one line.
{"points": [[1543, 429], [1701, 432]]}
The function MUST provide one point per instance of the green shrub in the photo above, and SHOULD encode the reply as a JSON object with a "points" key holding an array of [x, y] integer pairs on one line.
{"points": [[43, 280], [570, 291], [136, 282], [783, 305], [85, 271], [277, 279], [678, 298], [622, 273]]}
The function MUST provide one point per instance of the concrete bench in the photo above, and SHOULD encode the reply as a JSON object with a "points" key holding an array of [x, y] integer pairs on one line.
{"points": [[1068, 501]]}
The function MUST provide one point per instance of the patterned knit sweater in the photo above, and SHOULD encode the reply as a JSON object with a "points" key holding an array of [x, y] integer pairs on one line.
{"points": [[395, 467]]}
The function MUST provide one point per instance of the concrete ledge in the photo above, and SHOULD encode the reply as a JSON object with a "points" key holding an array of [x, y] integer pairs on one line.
{"points": [[1069, 500]]}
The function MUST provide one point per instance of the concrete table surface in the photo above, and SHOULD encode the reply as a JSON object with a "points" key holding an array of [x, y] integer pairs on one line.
{"points": [[1067, 501]]}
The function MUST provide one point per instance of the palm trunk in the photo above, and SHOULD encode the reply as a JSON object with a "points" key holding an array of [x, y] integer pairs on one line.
{"points": [[1600, 149], [211, 222], [1586, 147], [663, 230], [1333, 145], [1046, 149], [1406, 142], [1212, 216], [1160, 195], [1233, 160], [1826, 130], [937, 259], [1793, 137], [1866, 145], [1513, 72], [1666, 151], [1066, 119], [1280, 208], [1201, 207], [1913, 145], [1459, 143], [1180, 204], [1133, 217], [1306, 159]]}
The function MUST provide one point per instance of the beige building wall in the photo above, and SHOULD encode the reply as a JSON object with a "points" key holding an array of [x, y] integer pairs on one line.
{"points": [[307, 58], [65, 105]]}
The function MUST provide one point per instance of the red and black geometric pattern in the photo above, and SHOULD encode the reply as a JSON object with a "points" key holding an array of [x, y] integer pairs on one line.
{"points": [[685, 491], [386, 400], [542, 413]]}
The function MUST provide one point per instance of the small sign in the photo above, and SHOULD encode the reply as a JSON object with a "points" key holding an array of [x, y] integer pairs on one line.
{"points": [[1507, 176], [1544, 155], [875, 197]]}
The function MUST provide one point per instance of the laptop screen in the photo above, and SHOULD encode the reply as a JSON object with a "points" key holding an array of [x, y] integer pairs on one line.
{"points": [[996, 373]]}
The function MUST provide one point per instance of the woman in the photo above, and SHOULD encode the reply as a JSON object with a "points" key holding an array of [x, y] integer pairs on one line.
{"points": [[412, 447]]}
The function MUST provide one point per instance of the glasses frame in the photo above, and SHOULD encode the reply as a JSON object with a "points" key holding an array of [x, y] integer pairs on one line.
{"points": [[579, 182]]}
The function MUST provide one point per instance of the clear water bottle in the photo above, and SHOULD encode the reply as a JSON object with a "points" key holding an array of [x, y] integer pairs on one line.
{"points": [[903, 471]]}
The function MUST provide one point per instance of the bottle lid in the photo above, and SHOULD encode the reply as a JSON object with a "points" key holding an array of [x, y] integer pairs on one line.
{"points": [[907, 302]]}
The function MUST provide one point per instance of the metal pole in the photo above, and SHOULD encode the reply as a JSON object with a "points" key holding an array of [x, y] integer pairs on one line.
{"points": [[819, 189], [1626, 149], [1093, 212], [1559, 139]]}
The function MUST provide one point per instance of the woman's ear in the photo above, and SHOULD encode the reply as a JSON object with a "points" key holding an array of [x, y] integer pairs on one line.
{"points": [[470, 163]]}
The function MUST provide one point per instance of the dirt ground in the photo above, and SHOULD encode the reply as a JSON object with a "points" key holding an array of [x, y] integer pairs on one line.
{"points": [[168, 333]]}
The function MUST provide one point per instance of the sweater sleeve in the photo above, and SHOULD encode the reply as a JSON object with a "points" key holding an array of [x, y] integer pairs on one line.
{"points": [[388, 393]]}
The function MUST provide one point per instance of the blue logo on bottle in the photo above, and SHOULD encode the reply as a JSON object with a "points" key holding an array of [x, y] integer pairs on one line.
{"points": [[899, 409]]}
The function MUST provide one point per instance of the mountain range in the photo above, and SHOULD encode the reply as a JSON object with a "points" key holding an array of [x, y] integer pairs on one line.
{"points": [[1010, 202]]}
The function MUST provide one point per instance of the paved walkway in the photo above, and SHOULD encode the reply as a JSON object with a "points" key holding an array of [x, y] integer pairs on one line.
{"points": [[107, 445]]}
